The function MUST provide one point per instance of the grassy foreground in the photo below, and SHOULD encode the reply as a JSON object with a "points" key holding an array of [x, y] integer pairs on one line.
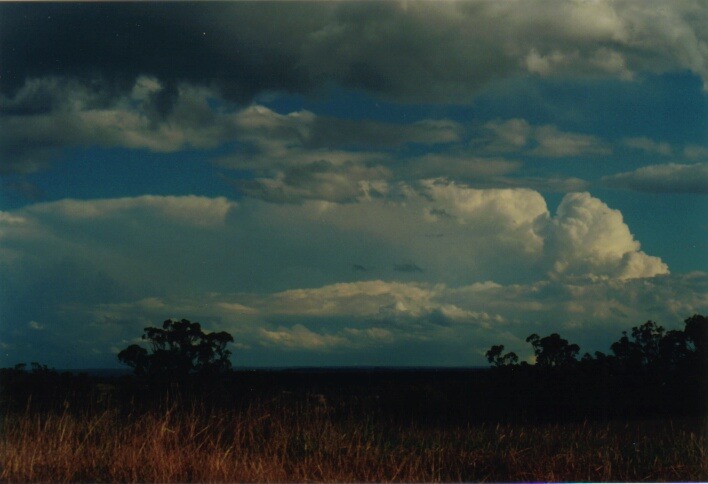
{"points": [[281, 441]]}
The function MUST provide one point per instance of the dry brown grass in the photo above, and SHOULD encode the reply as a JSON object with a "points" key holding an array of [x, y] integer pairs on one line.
{"points": [[278, 442]]}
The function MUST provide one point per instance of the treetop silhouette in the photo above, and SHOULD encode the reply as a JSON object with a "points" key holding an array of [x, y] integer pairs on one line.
{"points": [[179, 349], [648, 347], [553, 351]]}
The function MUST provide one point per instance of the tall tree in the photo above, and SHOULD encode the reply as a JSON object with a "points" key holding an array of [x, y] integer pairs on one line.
{"points": [[553, 351], [644, 347], [178, 349]]}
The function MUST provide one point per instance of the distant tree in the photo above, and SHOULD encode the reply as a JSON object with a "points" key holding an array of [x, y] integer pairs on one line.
{"points": [[644, 347], [495, 357], [179, 348], [553, 351]]}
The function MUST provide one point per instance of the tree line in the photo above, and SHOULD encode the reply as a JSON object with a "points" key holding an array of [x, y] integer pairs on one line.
{"points": [[649, 348], [649, 372]]}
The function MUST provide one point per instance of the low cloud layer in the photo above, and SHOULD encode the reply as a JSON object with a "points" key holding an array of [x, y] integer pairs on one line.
{"points": [[110, 267]]}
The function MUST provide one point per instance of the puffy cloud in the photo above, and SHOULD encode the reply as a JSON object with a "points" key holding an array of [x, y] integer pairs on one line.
{"points": [[456, 233], [360, 298], [588, 237], [74, 115], [669, 178]]}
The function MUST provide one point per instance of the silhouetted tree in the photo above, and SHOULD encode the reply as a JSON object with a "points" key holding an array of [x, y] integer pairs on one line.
{"points": [[644, 347], [179, 348], [135, 357], [553, 351], [495, 357], [674, 350]]}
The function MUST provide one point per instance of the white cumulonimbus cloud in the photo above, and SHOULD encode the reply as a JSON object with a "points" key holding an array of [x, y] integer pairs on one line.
{"points": [[588, 238], [280, 276]]}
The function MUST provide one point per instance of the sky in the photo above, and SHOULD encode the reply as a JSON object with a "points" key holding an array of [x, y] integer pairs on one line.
{"points": [[350, 183]]}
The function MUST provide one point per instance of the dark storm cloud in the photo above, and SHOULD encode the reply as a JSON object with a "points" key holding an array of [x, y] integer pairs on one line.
{"points": [[411, 51], [113, 43]]}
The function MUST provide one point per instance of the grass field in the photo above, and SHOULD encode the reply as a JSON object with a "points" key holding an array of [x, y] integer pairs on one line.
{"points": [[277, 440]]}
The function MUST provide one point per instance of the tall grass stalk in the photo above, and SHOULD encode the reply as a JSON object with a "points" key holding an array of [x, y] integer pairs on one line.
{"points": [[271, 441]]}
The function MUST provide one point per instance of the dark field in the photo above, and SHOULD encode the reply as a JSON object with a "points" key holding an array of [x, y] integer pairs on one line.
{"points": [[346, 425]]}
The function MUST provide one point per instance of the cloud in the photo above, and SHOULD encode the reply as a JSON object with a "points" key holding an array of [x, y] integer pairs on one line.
{"points": [[299, 337], [407, 51], [649, 146], [102, 270], [318, 181], [501, 234], [366, 320], [516, 135], [587, 237], [669, 178], [191, 210], [330, 132], [696, 152], [74, 115], [363, 298], [301, 156], [547, 184], [272, 132], [509, 135], [289, 157], [555, 143], [460, 167]]}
